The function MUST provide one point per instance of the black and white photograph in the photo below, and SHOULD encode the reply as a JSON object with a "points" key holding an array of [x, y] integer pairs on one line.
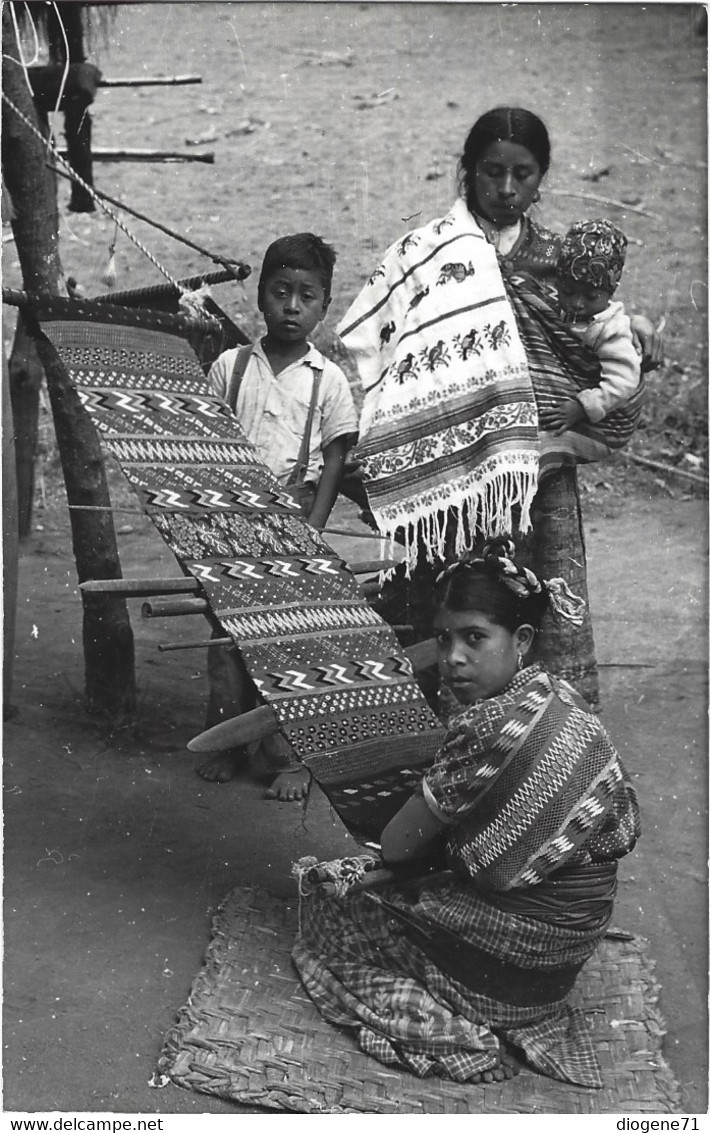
{"points": [[355, 562]]}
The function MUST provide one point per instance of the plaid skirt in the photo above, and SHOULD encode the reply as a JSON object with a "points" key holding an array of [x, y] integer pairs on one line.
{"points": [[367, 968]]}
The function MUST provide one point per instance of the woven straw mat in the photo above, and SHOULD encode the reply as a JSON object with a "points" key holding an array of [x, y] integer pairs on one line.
{"points": [[249, 1033]]}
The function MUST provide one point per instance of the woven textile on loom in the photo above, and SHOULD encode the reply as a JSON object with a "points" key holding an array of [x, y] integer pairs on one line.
{"points": [[453, 374], [332, 671]]}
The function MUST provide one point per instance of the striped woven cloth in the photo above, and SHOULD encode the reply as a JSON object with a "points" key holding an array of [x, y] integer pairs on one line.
{"points": [[341, 687]]}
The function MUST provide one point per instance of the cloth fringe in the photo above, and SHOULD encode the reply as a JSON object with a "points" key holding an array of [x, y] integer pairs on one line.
{"points": [[480, 505]]}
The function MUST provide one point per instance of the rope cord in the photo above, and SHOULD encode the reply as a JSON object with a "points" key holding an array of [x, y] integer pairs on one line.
{"points": [[89, 189], [237, 271]]}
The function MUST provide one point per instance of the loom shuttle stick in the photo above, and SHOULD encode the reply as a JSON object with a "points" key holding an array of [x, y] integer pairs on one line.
{"points": [[244, 729], [141, 587], [174, 607], [261, 722]]}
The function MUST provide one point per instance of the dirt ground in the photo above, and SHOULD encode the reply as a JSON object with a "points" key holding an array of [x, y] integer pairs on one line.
{"points": [[115, 852]]}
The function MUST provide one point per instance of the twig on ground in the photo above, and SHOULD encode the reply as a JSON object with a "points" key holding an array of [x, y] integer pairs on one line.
{"points": [[603, 201], [668, 468]]}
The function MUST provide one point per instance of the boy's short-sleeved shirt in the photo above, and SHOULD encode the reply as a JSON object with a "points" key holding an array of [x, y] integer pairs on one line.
{"points": [[273, 408]]}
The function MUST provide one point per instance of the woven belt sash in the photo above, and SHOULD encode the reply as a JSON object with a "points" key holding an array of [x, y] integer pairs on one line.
{"points": [[340, 686], [578, 897], [480, 972]]}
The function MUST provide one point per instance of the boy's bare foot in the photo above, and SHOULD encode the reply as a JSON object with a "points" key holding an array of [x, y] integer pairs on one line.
{"points": [[290, 786], [221, 767]]}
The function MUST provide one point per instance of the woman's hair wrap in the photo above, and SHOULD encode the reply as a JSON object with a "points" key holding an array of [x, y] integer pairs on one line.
{"points": [[505, 592]]}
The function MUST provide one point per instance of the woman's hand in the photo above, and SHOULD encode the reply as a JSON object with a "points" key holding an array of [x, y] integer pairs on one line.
{"points": [[648, 341], [565, 415]]}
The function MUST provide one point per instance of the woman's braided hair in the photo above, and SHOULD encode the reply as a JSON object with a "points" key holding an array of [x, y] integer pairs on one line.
{"points": [[509, 594]]}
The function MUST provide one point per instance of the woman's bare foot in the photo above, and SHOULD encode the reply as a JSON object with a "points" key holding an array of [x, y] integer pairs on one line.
{"points": [[221, 767], [509, 1068], [290, 786]]}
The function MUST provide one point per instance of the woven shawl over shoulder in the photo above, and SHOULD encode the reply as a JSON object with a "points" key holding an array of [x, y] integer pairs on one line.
{"points": [[547, 786], [455, 361], [449, 417]]}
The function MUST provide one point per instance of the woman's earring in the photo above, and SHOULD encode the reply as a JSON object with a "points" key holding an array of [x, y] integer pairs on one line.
{"points": [[520, 661], [536, 197]]}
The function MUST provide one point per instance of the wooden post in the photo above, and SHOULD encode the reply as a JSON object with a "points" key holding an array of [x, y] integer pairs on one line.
{"points": [[66, 45], [25, 375], [9, 539], [107, 634]]}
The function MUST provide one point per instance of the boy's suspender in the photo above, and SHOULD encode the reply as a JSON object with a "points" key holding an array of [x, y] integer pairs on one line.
{"points": [[241, 362], [235, 378], [301, 465]]}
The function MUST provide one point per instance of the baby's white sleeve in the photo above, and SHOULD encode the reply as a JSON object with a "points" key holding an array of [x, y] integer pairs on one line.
{"points": [[620, 370]]}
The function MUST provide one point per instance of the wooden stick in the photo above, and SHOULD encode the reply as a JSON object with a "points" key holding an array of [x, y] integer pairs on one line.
{"points": [[207, 643], [602, 201], [169, 646], [668, 468], [152, 81], [174, 607], [422, 654], [105, 507], [141, 587], [326, 531], [371, 566], [370, 589], [108, 154]]}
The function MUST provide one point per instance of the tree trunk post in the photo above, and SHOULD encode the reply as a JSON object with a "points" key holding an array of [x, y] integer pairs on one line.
{"points": [[107, 634], [24, 378], [9, 540]]}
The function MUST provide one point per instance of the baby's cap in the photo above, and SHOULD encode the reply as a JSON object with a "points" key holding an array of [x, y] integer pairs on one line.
{"points": [[593, 252]]}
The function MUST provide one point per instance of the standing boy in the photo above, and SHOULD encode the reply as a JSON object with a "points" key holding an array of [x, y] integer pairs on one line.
{"points": [[295, 406]]}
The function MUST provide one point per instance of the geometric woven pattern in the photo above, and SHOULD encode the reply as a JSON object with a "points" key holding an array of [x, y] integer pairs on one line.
{"points": [[249, 1033], [341, 687]]}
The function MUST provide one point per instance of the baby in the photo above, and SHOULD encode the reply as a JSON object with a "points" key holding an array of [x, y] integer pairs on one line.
{"points": [[589, 268]]}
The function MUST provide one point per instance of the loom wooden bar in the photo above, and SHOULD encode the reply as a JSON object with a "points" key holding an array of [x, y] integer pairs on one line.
{"points": [[325, 531], [141, 587], [370, 566], [422, 654], [146, 155], [174, 607], [152, 81], [207, 643]]}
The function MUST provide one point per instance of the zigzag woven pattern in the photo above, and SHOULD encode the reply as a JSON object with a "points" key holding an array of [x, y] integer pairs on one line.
{"points": [[331, 669]]}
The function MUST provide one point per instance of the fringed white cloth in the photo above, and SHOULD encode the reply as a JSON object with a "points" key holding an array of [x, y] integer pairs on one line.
{"points": [[449, 427]]}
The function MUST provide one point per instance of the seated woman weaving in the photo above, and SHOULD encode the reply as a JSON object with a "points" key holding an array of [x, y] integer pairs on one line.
{"points": [[528, 808]]}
